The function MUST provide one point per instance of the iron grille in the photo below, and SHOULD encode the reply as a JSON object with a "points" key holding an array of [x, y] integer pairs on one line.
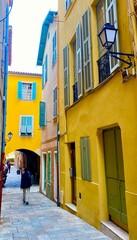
{"points": [[104, 67], [75, 92]]}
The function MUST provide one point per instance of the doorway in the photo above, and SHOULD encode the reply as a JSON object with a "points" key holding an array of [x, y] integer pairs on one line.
{"points": [[73, 173], [115, 179]]}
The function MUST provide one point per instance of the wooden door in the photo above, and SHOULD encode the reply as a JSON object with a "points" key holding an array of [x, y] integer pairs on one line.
{"points": [[115, 177]]}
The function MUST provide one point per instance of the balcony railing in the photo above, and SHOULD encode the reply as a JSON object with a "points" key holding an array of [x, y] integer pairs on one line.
{"points": [[104, 67], [75, 92]]}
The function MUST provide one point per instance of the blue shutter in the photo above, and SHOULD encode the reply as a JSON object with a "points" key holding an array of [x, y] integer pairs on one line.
{"points": [[29, 125], [19, 90], [42, 117], [46, 68], [43, 75], [33, 91], [23, 126]]}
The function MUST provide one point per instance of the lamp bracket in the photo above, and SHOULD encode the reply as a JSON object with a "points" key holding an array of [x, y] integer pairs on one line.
{"points": [[129, 55]]}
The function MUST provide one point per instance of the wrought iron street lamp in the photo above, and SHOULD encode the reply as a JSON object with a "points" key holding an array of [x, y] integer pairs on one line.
{"points": [[107, 37], [10, 135]]}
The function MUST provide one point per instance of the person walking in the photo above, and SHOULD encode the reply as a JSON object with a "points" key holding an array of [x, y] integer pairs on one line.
{"points": [[9, 166], [25, 185]]}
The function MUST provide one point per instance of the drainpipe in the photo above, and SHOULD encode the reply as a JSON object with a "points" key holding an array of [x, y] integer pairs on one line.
{"points": [[5, 46], [58, 133]]}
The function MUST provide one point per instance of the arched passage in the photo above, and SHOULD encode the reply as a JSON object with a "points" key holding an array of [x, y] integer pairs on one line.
{"points": [[29, 159]]}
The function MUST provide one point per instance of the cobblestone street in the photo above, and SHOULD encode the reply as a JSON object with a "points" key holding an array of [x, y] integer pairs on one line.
{"points": [[41, 219]]}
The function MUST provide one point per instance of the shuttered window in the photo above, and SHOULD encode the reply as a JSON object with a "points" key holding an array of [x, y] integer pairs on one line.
{"points": [[111, 17], [107, 13], [87, 50], [79, 60], [42, 117], [85, 158], [54, 49], [26, 126], [55, 102], [68, 2], [26, 91], [66, 76]]}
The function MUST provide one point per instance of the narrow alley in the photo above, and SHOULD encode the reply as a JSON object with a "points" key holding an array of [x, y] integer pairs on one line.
{"points": [[41, 219]]}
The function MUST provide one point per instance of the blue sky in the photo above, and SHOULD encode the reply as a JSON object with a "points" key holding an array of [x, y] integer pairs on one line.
{"points": [[26, 19]]}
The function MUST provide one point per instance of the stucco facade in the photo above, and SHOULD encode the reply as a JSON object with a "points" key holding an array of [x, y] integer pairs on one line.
{"points": [[47, 58], [23, 108], [104, 116]]}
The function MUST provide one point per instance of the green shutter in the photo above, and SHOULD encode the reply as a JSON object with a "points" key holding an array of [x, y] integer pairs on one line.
{"points": [[79, 60], [66, 76], [87, 50], [42, 117], [85, 158]]}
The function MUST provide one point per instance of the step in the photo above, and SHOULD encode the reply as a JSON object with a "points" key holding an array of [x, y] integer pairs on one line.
{"points": [[113, 231]]}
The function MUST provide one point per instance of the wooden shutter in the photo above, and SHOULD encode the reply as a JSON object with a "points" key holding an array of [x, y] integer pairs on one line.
{"points": [[29, 125], [55, 102], [43, 76], [23, 125], [46, 68], [33, 91], [54, 49], [42, 117], [66, 76], [79, 60], [85, 158], [19, 90], [87, 50], [111, 17]]}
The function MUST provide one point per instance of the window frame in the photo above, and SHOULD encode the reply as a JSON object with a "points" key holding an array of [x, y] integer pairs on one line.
{"points": [[32, 93], [26, 132]]}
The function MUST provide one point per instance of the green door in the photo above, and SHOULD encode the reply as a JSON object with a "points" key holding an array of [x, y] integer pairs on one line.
{"points": [[45, 175], [49, 175], [115, 177]]}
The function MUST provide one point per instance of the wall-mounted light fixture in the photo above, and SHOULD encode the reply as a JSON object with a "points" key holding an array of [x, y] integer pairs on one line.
{"points": [[107, 37], [10, 135]]}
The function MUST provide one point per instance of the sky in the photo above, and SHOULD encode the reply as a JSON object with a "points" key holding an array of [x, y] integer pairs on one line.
{"points": [[26, 18]]}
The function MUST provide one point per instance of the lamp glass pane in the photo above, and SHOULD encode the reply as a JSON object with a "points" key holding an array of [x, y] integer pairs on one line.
{"points": [[110, 35], [103, 38]]}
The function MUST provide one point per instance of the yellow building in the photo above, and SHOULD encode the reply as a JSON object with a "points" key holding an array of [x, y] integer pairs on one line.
{"points": [[97, 114], [23, 104]]}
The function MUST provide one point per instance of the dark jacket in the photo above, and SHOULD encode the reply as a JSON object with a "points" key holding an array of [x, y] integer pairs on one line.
{"points": [[25, 180]]}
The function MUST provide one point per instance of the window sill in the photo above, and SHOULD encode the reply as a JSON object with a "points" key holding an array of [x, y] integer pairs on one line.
{"points": [[71, 206]]}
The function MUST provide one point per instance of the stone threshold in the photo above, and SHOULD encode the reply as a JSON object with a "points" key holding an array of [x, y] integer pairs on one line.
{"points": [[71, 206], [113, 231]]}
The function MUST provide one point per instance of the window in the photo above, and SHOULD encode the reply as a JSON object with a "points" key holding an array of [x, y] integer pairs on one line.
{"points": [[26, 91], [106, 12], [26, 126], [79, 59], [66, 76], [55, 102], [45, 71], [42, 117], [54, 49], [68, 2], [87, 50], [85, 158]]}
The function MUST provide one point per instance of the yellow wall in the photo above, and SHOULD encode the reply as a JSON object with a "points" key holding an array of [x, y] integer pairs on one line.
{"points": [[17, 107], [109, 104]]}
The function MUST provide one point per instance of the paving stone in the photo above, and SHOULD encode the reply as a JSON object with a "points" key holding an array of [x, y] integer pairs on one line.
{"points": [[41, 219]]}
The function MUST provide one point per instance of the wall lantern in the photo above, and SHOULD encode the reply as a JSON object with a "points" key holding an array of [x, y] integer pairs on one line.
{"points": [[10, 135], [107, 37]]}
